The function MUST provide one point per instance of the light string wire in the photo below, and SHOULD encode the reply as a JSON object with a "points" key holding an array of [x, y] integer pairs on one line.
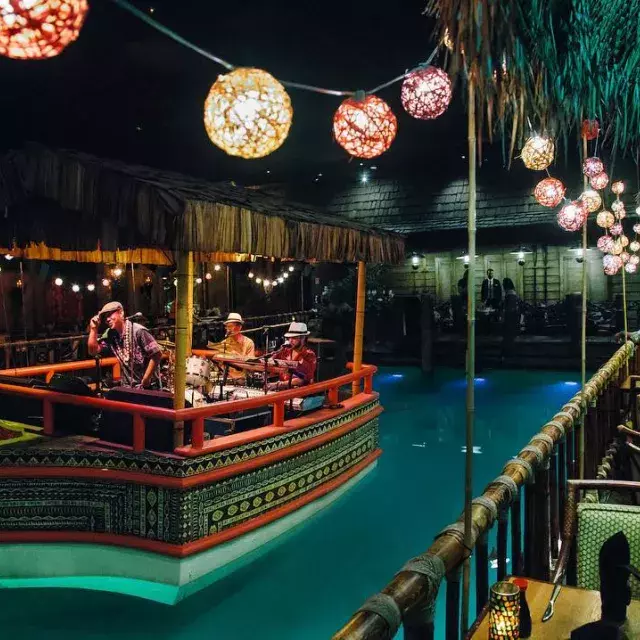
{"points": [[123, 4]]}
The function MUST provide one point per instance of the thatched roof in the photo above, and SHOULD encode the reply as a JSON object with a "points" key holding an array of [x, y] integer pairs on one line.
{"points": [[68, 205]]}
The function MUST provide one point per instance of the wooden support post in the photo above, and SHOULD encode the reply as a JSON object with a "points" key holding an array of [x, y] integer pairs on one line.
{"points": [[452, 625], [426, 330], [555, 503], [543, 523], [503, 525], [516, 537], [184, 333], [138, 433], [358, 337], [278, 414], [47, 417], [197, 433], [529, 530], [482, 573]]}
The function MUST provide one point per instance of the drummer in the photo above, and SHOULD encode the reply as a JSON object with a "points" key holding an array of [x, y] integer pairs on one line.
{"points": [[234, 344], [296, 350]]}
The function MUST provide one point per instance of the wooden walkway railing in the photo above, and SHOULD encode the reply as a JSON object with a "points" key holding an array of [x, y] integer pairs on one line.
{"points": [[533, 485]]}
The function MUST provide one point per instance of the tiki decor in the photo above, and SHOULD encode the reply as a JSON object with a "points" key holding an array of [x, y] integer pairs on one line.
{"points": [[616, 229], [605, 219], [590, 129], [605, 244], [538, 153], [599, 180], [591, 199], [504, 611], [549, 192], [592, 167], [39, 28], [426, 93], [364, 128], [572, 216], [247, 113], [611, 264], [617, 187]]}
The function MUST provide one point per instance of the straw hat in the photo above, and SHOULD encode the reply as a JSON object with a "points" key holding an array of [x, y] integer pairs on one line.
{"points": [[297, 330], [233, 318]]}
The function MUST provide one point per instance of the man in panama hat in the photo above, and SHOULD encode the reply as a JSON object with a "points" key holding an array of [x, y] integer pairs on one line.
{"points": [[296, 350], [234, 344]]}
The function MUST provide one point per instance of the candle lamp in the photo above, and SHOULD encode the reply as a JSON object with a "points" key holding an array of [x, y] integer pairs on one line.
{"points": [[504, 611]]}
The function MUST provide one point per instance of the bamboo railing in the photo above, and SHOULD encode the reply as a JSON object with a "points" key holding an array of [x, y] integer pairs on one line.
{"points": [[534, 482]]}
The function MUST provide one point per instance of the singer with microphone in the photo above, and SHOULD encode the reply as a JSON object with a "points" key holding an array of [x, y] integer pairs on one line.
{"points": [[131, 343], [296, 350]]}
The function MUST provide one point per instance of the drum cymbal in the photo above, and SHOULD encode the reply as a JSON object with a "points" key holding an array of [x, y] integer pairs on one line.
{"points": [[166, 343], [320, 341]]}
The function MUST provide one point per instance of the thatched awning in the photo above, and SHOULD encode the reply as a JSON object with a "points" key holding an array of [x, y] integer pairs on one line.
{"points": [[69, 205]]}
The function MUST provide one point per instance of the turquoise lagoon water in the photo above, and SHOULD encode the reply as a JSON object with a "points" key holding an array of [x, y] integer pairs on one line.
{"points": [[307, 585]]}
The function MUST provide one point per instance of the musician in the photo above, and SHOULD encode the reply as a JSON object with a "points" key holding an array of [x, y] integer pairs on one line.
{"points": [[234, 344], [297, 351], [126, 340]]}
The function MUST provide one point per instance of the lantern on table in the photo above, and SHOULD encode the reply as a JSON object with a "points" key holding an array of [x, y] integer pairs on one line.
{"points": [[549, 192], [426, 93], [504, 611], [572, 216], [605, 219], [599, 181], [247, 113], [364, 126], [538, 152], [592, 167]]}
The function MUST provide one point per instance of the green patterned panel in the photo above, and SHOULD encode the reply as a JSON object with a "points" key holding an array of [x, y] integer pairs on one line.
{"points": [[597, 523]]}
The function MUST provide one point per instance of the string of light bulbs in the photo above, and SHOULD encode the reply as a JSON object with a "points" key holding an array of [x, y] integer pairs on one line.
{"points": [[277, 280]]}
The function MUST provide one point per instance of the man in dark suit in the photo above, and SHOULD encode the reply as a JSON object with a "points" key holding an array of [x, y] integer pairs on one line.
{"points": [[491, 291]]}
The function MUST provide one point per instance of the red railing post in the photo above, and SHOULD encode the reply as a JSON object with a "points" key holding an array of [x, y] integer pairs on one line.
{"points": [[197, 433], [278, 414], [138, 433], [368, 384], [332, 396], [116, 371], [47, 417]]}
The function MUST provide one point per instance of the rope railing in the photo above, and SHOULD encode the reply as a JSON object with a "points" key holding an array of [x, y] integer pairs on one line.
{"points": [[409, 599]]}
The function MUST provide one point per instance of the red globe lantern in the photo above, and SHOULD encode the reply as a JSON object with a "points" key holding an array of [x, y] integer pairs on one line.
{"points": [[426, 93], [592, 167], [611, 264], [590, 129], [605, 244], [364, 128], [37, 29], [599, 181], [549, 192], [572, 216]]}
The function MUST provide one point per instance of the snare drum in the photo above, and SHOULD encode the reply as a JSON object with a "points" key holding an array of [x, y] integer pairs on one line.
{"points": [[198, 371], [194, 397]]}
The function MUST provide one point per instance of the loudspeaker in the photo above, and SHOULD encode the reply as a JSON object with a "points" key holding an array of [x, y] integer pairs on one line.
{"points": [[21, 408], [238, 422], [68, 418], [118, 427]]}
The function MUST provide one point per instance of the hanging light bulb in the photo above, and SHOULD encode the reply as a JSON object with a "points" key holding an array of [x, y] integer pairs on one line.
{"points": [[198, 280], [75, 288], [217, 267], [91, 287], [105, 282], [258, 280], [291, 268], [117, 272], [208, 276], [250, 274], [285, 275], [266, 282], [8, 256], [280, 279], [58, 282]]}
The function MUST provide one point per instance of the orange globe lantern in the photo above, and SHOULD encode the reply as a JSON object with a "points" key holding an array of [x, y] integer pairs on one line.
{"points": [[591, 199], [38, 29], [590, 129], [549, 192], [426, 93], [572, 216], [538, 152], [605, 219], [364, 127]]}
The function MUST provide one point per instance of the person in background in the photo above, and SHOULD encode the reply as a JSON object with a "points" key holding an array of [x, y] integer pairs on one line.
{"points": [[511, 309], [296, 350], [135, 348], [491, 292], [235, 344]]}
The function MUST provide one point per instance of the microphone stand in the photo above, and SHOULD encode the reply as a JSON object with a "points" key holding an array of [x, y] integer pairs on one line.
{"points": [[266, 359], [131, 355], [98, 375]]}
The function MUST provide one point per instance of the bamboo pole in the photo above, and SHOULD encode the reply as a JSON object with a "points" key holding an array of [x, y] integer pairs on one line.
{"points": [[184, 331], [624, 311], [358, 336], [471, 352], [583, 354]]}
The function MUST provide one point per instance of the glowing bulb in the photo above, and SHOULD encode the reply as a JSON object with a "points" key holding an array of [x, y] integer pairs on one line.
{"points": [[198, 280], [58, 282], [117, 272], [250, 274], [258, 280], [364, 178], [466, 259], [291, 268], [175, 282], [91, 287], [75, 288], [415, 261], [280, 279], [520, 255], [105, 282], [8, 257], [285, 275], [266, 283], [208, 276]]}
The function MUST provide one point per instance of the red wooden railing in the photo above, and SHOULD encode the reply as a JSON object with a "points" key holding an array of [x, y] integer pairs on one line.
{"points": [[195, 415]]}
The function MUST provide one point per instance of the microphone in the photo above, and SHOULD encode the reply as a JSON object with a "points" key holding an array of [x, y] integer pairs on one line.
{"points": [[135, 316]]}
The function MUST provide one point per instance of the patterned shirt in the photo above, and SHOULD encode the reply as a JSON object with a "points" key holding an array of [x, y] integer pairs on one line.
{"points": [[145, 347], [306, 360]]}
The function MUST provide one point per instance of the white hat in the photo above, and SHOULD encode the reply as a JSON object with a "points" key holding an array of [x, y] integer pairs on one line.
{"points": [[297, 330], [234, 317]]}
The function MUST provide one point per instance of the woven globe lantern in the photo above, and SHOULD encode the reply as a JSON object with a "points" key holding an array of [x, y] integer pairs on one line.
{"points": [[605, 219], [624, 256], [364, 127], [636, 227], [592, 167], [631, 267], [591, 199], [599, 181], [590, 129], [247, 113], [538, 152], [617, 207], [617, 187], [616, 229], [634, 259], [549, 192], [634, 246], [572, 216], [624, 241], [426, 93], [605, 244], [611, 264], [38, 29]]}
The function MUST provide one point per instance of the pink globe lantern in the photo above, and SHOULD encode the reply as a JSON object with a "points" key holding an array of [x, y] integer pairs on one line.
{"points": [[617, 248], [426, 93], [364, 128], [616, 229], [592, 167], [634, 245], [631, 267], [611, 264], [617, 187], [599, 181], [624, 256], [591, 199], [549, 192], [617, 206], [634, 259], [605, 219], [572, 216], [605, 244], [636, 227]]}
